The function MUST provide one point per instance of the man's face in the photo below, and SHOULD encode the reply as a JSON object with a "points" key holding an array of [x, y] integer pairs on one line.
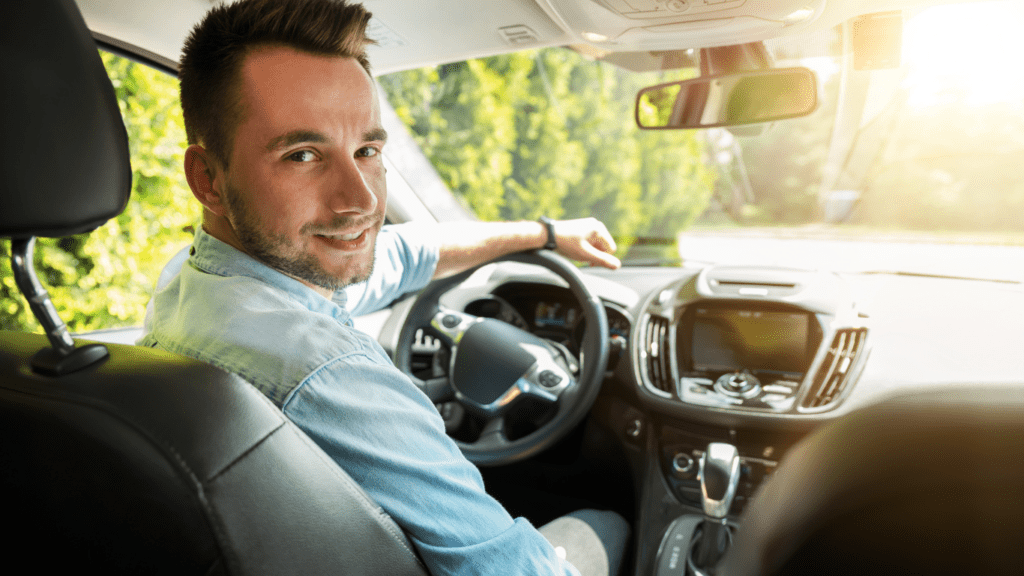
{"points": [[304, 190]]}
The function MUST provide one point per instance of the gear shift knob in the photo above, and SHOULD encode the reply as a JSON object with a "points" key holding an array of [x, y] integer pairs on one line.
{"points": [[719, 476]]}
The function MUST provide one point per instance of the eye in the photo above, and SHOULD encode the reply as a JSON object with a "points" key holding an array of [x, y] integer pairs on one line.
{"points": [[367, 152], [302, 156]]}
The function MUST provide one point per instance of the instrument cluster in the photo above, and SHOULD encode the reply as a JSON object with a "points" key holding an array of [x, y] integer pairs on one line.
{"points": [[549, 312]]}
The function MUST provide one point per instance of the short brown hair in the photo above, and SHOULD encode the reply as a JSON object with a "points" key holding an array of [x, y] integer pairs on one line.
{"points": [[213, 54]]}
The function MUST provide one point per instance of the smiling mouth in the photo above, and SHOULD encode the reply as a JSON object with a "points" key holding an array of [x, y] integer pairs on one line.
{"points": [[351, 242]]}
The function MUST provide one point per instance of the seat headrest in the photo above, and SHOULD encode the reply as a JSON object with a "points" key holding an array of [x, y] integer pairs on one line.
{"points": [[64, 161]]}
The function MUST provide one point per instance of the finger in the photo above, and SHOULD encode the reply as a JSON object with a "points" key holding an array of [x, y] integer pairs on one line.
{"points": [[600, 236], [600, 257], [604, 241]]}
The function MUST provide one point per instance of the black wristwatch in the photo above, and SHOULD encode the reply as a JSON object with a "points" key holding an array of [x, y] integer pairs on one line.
{"points": [[549, 225]]}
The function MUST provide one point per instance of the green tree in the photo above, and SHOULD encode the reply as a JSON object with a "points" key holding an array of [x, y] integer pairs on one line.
{"points": [[103, 279], [547, 132]]}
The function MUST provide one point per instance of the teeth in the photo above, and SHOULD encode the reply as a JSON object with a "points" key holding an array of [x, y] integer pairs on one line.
{"points": [[347, 237]]}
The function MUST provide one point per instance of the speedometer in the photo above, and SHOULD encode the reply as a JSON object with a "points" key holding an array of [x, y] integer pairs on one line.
{"points": [[498, 309]]}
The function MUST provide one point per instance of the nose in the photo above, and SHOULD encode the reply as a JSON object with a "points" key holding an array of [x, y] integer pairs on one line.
{"points": [[353, 192]]}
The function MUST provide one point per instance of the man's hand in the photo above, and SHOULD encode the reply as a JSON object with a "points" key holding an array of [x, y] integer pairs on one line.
{"points": [[586, 240]]}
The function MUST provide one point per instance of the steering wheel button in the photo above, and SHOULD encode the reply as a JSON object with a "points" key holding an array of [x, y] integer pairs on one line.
{"points": [[450, 321], [549, 379]]}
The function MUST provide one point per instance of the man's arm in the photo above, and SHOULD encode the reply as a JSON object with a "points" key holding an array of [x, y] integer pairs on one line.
{"points": [[467, 244]]}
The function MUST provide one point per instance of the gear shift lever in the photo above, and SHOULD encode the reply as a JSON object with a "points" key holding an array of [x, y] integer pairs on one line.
{"points": [[719, 476]]}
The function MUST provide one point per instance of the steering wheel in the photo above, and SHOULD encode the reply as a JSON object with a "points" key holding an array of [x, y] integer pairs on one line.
{"points": [[495, 366]]}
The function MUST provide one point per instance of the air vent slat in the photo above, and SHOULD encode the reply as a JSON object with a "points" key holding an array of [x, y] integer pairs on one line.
{"points": [[833, 374], [658, 361]]}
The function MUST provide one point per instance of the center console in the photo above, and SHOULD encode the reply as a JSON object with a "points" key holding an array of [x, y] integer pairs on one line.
{"points": [[732, 364]]}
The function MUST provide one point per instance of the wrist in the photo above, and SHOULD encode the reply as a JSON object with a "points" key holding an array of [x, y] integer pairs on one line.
{"points": [[549, 233]]}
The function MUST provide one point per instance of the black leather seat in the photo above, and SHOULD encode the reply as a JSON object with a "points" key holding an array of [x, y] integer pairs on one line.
{"points": [[130, 460]]}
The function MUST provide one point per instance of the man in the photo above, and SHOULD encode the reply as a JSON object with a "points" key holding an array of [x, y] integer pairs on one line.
{"points": [[285, 149]]}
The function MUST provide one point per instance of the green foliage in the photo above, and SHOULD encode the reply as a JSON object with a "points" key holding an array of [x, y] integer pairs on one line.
{"points": [[546, 132], [103, 279]]}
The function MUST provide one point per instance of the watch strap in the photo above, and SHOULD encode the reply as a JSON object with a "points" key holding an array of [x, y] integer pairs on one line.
{"points": [[549, 225]]}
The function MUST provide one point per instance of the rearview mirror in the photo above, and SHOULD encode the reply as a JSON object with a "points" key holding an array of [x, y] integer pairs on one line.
{"points": [[728, 99]]}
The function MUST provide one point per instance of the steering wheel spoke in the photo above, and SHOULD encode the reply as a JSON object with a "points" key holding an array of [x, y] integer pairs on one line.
{"points": [[494, 435], [438, 389]]}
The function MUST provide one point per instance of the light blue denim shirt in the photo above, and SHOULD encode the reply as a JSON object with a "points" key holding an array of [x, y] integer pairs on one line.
{"points": [[221, 306]]}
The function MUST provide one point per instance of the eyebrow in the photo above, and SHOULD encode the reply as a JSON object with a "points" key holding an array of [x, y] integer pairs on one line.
{"points": [[375, 135], [309, 136]]}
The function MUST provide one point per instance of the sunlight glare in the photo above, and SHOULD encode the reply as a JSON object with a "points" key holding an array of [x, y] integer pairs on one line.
{"points": [[967, 53]]}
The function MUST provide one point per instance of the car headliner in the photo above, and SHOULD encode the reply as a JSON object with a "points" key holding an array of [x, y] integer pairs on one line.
{"points": [[415, 34]]}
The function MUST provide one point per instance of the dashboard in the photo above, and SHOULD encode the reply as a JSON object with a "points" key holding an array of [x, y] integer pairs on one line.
{"points": [[737, 340], [834, 341]]}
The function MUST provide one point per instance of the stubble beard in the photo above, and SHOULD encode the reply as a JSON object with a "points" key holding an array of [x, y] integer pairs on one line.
{"points": [[279, 253]]}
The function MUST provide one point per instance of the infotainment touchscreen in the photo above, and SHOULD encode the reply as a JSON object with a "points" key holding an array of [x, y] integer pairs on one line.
{"points": [[726, 339]]}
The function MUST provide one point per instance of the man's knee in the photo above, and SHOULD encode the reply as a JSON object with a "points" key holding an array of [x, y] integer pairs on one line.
{"points": [[594, 541]]}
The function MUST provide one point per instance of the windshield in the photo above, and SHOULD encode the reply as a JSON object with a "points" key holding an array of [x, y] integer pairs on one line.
{"points": [[892, 160]]}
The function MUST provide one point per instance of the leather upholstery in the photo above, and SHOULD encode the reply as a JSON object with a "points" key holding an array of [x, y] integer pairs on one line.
{"points": [[64, 165], [155, 463], [928, 483]]}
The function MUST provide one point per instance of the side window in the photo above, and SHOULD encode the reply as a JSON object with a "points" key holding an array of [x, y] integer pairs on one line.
{"points": [[103, 279]]}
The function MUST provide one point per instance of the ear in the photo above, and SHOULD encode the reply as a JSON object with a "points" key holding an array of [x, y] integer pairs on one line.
{"points": [[205, 178]]}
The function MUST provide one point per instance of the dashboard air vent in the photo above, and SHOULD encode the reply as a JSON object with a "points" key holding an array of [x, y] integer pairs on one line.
{"points": [[834, 372], [657, 348]]}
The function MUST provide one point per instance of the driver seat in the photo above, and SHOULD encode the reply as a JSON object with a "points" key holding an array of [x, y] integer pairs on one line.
{"points": [[122, 459]]}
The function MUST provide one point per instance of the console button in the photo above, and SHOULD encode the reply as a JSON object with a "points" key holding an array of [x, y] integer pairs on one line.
{"points": [[683, 465]]}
